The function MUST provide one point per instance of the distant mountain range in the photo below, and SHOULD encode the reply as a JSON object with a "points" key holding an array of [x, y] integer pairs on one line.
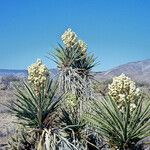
{"points": [[8, 72], [139, 71], [21, 73]]}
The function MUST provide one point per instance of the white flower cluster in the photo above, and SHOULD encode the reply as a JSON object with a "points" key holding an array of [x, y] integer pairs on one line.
{"points": [[71, 100], [83, 46], [38, 74], [123, 87], [69, 39]]}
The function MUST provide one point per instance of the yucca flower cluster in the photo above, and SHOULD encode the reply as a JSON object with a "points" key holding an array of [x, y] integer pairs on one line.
{"points": [[38, 74], [71, 100], [123, 88], [83, 46], [70, 39]]}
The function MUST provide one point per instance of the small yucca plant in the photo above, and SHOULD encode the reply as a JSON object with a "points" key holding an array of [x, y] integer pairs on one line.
{"points": [[72, 124], [121, 129], [71, 133], [33, 110], [38, 101]]}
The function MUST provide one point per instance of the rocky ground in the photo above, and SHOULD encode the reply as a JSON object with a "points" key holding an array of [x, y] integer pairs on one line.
{"points": [[7, 127]]}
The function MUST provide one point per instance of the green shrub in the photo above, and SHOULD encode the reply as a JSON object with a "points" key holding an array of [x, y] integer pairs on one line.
{"points": [[32, 109], [121, 129]]}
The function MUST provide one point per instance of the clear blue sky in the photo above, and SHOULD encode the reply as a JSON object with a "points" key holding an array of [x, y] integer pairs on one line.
{"points": [[116, 31]]}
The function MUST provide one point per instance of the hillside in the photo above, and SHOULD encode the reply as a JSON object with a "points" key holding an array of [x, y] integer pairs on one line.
{"points": [[139, 71]]}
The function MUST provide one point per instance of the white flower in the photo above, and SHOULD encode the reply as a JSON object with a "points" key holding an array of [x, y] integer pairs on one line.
{"points": [[123, 87], [69, 38], [132, 106], [82, 46], [37, 74], [121, 97]]}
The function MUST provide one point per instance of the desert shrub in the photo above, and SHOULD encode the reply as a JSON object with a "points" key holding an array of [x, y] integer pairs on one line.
{"points": [[72, 134], [35, 104], [119, 117]]}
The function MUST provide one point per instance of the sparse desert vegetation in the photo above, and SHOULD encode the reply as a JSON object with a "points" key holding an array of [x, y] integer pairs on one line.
{"points": [[73, 111]]}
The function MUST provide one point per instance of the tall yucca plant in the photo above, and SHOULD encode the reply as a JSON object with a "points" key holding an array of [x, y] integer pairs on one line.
{"points": [[74, 64], [121, 129], [33, 110]]}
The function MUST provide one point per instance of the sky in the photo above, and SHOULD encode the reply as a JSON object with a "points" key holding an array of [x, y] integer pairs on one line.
{"points": [[116, 31]]}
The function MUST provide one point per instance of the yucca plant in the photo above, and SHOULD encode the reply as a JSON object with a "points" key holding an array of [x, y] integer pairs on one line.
{"points": [[76, 132], [74, 69], [34, 110], [72, 124], [121, 129], [70, 136], [74, 64], [71, 133]]}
